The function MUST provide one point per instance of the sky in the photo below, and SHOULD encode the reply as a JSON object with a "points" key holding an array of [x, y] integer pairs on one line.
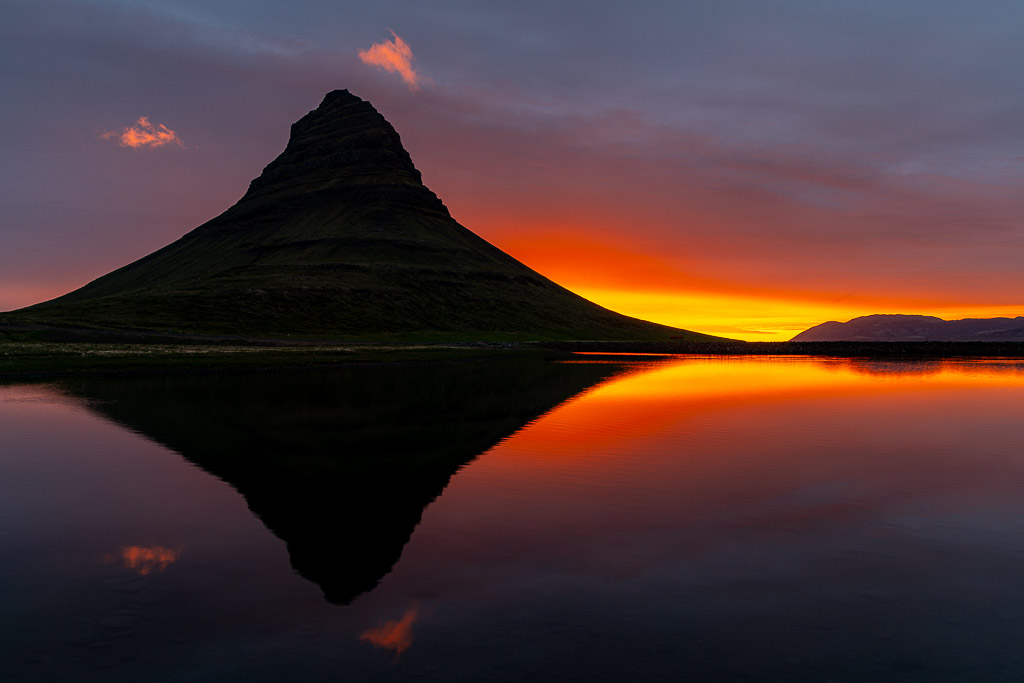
{"points": [[746, 168]]}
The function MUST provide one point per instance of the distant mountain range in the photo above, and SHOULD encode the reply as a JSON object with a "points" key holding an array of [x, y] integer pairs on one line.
{"points": [[339, 238], [915, 328]]}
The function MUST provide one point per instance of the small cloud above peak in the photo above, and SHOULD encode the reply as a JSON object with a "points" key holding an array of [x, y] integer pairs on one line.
{"points": [[143, 134], [394, 56]]}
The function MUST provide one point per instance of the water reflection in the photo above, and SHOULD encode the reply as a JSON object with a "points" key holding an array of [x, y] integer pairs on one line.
{"points": [[340, 465], [746, 519], [909, 368], [796, 519], [144, 560], [393, 635]]}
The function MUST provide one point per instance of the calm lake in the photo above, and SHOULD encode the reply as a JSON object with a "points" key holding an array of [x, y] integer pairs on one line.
{"points": [[672, 519]]}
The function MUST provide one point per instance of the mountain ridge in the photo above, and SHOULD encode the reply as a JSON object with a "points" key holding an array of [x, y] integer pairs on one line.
{"points": [[338, 237], [916, 328]]}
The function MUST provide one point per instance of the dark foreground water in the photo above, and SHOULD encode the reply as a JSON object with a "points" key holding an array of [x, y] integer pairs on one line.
{"points": [[673, 520]]}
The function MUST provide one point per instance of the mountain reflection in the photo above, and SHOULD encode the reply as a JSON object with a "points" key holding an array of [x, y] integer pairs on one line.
{"points": [[340, 464]]}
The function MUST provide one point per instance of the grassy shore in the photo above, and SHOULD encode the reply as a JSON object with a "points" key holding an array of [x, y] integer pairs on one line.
{"points": [[36, 360], [46, 359], [35, 353]]}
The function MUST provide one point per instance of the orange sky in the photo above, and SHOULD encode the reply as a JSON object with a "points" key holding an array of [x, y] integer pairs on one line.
{"points": [[647, 287], [689, 230], [641, 280]]}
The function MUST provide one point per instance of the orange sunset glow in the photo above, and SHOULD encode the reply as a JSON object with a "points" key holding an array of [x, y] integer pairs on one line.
{"points": [[645, 286], [601, 259], [758, 318]]}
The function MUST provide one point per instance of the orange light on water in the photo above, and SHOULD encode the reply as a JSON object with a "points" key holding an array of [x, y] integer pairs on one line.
{"points": [[681, 458], [393, 635], [664, 393], [145, 560]]}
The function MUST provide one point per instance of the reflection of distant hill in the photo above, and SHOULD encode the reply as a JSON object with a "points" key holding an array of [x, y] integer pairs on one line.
{"points": [[920, 368], [916, 328], [896, 367], [340, 465]]}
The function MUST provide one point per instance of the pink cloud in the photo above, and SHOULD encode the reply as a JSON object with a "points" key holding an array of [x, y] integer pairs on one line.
{"points": [[143, 134], [393, 55]]}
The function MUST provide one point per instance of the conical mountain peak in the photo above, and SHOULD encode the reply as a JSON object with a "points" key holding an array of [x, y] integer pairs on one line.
{"points": [[343, 141]]}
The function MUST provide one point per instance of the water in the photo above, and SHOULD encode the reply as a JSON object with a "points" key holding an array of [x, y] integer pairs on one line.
{"points": [[677, 519]]}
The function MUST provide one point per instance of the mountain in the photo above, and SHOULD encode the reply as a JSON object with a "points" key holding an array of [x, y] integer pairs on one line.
{"points": [[916, 328], [338, 237], [341, 464]]}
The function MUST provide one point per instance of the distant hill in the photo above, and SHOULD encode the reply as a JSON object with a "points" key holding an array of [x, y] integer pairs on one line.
{"points": [[916, 328], [338, 237]]}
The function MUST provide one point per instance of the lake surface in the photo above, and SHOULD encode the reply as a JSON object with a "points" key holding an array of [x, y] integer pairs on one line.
{"points": [[673, 519]]}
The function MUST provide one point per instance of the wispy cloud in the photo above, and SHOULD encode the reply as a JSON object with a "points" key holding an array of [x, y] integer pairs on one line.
{"points": [[395, 56], [143, 134]]}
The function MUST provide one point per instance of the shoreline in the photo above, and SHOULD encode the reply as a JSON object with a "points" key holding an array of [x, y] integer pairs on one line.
{"points": [[34, 360], [42, 361], [842, 349]]}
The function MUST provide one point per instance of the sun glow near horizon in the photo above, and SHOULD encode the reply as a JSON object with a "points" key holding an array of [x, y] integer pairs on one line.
{"points": [[753, 318], [643, 285]]}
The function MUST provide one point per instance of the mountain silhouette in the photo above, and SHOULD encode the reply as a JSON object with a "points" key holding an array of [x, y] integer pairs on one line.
{"points": [[341, 464], [338, 237], [916, 328]]}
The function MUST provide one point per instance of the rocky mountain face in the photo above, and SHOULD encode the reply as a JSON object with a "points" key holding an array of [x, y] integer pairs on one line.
{"points": [[916, 328], [338, 237]]}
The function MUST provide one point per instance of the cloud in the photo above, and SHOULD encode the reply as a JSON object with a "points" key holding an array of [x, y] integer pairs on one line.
{"points": [[393, 55], [143, 134]]}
